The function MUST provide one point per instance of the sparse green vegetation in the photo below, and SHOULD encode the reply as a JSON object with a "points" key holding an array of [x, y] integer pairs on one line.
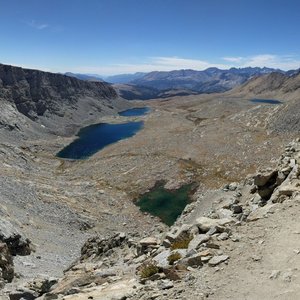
{"points": [[182, 242], [174, 257], [148, 269]]}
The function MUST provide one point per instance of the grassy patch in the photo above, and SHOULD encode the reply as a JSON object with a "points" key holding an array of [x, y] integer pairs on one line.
{"points": [[182, 242], [174, 257], [148, 269]]}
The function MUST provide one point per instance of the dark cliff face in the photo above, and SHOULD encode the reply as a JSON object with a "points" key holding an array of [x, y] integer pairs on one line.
{"points": [[35, 92]]}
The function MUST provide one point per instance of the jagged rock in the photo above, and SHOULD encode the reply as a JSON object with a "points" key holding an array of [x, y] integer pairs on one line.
{"points": [[226, 202], [280, 178], [77, 279], [233, 186], [224, 213], [212, 231], [177, 232], [212, 245], [266, 183], [97, 247], [194, 260], [206, 252], [237, 209], [149, 241], [261, 212], [288, 190], [162, 258], [114, 291], [41, 285], [166, 243], [23, 294], [223, 236], [197, 241], [262, 179], [17, 243], [6, 263], [205, 223], [256, 199], [217, 260], [165, 284]]}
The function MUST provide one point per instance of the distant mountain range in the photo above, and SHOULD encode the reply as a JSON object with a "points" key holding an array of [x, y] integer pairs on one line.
{"points": [[182, 82], [86, 77], [212, 80], [124, 78]]}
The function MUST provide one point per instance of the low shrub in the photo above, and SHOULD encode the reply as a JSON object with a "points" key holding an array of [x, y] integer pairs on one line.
{"points": [[174, 257], [182, 242], [148, 269]]}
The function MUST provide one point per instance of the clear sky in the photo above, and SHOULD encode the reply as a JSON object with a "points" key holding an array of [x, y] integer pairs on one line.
{"points": [[125, 36]]}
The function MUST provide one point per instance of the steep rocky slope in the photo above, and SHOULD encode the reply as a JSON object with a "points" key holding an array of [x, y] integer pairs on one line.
{"points": [[276, 86], [243, 247], [35, 107], [273, 82], [53, 100]]}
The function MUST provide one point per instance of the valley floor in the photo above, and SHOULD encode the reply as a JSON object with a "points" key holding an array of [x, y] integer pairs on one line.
{"points": [[58, 203]]}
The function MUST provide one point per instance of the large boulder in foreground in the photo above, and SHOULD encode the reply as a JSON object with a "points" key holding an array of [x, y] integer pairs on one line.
{"points": [[205, 224]]}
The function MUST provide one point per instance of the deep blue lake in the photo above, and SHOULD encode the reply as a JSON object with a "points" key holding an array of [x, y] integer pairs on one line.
{"points": [[93, 138], [133, 112], [269, 101]]}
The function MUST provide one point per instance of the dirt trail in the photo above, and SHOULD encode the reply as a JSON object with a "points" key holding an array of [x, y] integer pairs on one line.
{"points": [[266, 262]]}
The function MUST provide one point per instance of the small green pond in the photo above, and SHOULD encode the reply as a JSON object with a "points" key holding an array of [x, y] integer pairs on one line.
{"points": [[165, 204]]}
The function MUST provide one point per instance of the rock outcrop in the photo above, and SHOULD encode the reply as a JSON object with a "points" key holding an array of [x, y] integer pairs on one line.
{"points": [[6, 265], [17, 243], [12, 243]]}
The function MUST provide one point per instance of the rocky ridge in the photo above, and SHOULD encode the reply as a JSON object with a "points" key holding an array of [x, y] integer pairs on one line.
{"points": [[37, 99], [188, 260]]}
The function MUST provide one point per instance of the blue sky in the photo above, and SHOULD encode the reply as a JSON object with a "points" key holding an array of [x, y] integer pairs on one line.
{"points": [[126, 36]]}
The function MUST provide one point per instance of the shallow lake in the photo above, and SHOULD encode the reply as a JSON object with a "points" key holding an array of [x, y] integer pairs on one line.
{"points": [[268, 101], [93, 138], [165, 204], [133, 112]]}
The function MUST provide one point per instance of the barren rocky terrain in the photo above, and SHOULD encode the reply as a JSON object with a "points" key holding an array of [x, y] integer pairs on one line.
{"points": [[212, 140]]}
